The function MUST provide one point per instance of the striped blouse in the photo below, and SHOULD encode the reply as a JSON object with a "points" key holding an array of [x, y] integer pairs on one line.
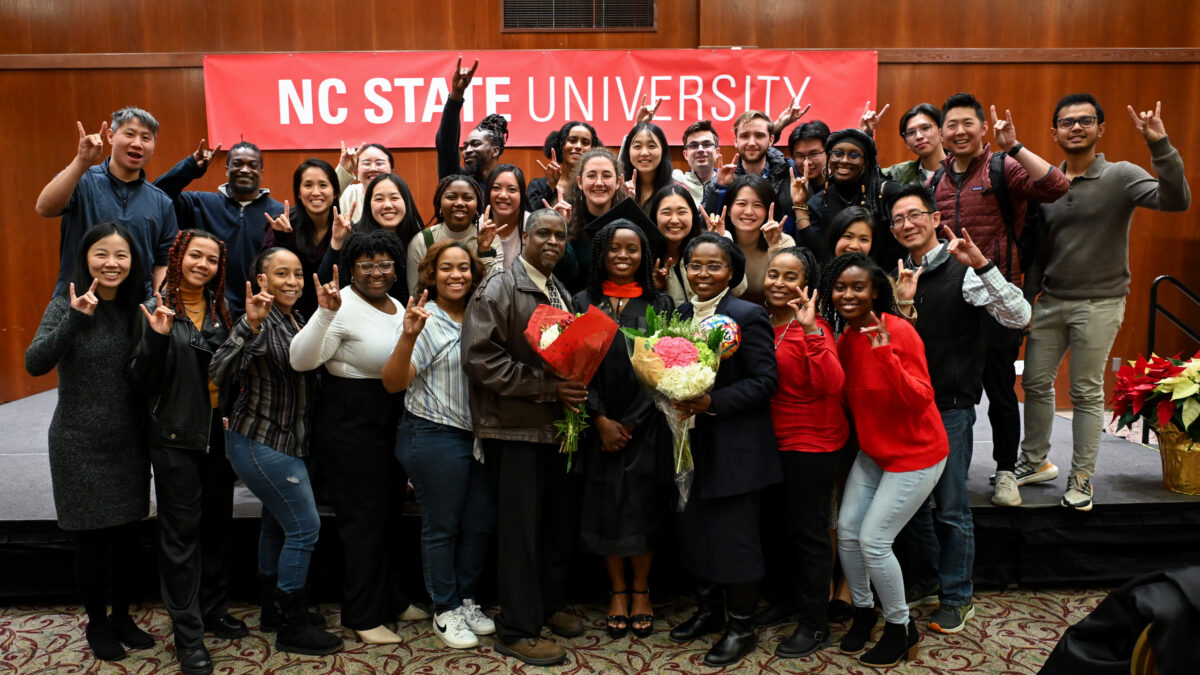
{"points": [[438, 392]]}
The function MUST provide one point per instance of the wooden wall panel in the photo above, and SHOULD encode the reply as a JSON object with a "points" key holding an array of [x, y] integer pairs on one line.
{"points": [[42, 106]]}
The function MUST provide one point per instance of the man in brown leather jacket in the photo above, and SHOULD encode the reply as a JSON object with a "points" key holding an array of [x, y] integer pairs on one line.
{"points": [[514, 402]]}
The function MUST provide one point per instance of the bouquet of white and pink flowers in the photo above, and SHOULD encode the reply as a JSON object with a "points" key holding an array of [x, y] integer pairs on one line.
{"points": [[676, 359]]}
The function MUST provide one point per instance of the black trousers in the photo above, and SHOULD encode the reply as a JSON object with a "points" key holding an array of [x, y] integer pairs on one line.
{"points": [[194, 489], [537, 519], [354, 439], [999, 382]]}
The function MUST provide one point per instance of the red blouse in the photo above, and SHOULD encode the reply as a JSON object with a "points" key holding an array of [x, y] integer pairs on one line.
{"points": [[807, 408]]}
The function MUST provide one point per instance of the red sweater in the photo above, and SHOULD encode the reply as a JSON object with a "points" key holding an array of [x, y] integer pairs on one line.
{"points": [[891, 399], [807, 407]]}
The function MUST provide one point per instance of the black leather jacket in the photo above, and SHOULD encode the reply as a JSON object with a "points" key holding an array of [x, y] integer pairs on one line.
{"points": [[170, 374]]}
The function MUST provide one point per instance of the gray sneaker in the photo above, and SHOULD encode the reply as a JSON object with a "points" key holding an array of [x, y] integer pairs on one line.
{"points": [[1028, 473], [951, 619], [1079, 492], [1007, 493]]}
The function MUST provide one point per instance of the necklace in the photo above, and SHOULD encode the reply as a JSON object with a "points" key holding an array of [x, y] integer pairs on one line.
{"points": [[784, 333]]}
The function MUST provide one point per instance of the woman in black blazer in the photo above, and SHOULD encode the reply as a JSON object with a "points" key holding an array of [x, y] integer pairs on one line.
{"points": [[734, 449]]}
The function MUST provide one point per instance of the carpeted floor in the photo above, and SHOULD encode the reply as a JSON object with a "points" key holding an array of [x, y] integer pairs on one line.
{"points": [[1012, 632]]}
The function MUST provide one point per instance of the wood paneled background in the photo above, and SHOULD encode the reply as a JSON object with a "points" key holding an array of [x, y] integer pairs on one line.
{"points": [[68, 60]]}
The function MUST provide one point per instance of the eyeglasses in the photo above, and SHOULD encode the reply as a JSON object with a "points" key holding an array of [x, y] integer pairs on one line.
{"points": [[711, 268], [810, 156], [700, 145], [911, 216], [368, 163], [369, 266], [924, 129], [853, 155], [1087, 122]]}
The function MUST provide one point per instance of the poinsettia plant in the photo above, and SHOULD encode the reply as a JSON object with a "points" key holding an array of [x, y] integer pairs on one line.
{"points": [[1162, 391]]}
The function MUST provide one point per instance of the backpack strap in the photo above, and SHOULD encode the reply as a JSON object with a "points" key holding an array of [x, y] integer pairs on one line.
{"points": [[1000, 189]]}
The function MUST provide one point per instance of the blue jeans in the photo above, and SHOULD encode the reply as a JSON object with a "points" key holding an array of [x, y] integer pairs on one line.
{"points": [[458, 512], [949, 528], [876, 504], [290, 523]]}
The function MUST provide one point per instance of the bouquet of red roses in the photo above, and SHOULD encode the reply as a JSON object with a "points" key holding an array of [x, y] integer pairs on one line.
{"points": [[573, 346]]}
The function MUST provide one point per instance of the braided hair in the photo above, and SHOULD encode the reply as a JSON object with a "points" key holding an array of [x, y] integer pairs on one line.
{"points": [[870, 183], [599, 273], [496, 128], [812, 272], [885, 300], [172, 298]]}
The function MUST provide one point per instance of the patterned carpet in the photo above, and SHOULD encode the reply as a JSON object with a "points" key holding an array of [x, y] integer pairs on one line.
{"points": [[1012, 632]]}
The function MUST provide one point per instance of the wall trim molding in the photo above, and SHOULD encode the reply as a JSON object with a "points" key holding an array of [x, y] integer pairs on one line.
{"points": [[1177, 55]]}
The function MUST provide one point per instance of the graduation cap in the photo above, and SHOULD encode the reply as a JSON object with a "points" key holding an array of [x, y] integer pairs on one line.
{"points": [[630, 211]]}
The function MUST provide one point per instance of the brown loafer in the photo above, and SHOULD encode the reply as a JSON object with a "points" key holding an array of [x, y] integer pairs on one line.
{"points": [[534, 651], [565, 624]]}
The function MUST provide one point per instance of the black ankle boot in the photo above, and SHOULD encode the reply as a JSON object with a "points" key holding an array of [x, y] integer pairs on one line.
{"points": [[709, 616], [297, 635], [802, 643], [103, 640], [269, 617], [738, 641], [855, 639], [898, 642]]}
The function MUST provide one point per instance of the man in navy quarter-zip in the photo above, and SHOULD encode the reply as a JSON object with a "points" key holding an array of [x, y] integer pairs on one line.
{"points": [[237, 212]]}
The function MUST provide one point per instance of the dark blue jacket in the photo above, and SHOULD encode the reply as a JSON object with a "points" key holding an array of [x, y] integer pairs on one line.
{"points": [[138, 206], [241, 227], [735, 450]]}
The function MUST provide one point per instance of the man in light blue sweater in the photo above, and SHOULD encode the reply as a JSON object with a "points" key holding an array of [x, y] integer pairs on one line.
{"points": [[1085, 283]]}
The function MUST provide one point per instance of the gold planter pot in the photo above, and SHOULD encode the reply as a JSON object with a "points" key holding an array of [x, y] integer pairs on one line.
{"points": [[1180, 460]]}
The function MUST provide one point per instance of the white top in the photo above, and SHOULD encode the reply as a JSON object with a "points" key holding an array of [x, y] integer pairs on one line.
{"points": [[512, 243], [353, 342], [417, 249], [353, 194]]}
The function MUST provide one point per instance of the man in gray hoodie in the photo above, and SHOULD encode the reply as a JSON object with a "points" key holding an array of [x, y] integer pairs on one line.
{"points": [[1085, 283]]}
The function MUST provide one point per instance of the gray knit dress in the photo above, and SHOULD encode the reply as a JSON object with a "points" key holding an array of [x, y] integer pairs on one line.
{"points": [[98, 464]]}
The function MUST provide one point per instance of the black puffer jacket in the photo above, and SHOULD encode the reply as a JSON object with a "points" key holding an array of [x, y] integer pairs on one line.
{"points": [[170, 375]]}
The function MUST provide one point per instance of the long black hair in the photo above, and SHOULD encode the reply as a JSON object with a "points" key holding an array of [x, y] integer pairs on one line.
{"points": [[132, 290], [766, 194], [885, 300], [869, 185], [599, 273], [409, 226], [842, 222], [302, 224], [500, 170], [662, 174], [675, 189]]}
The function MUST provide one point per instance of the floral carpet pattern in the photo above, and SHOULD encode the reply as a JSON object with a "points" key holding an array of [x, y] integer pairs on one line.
{"points": [[1012, 632]]}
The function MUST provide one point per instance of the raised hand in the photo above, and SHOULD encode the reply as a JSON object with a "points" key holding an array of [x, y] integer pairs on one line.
{"points": [[725, 172], [646, 113], [870, 118], [160, 321], [613, 435], [631, 184], [877, 333], [964, 250], [87, 302], [1004, 130], [906, 282], [789, 116], [553, 169], [203, 155], [341, 226], [348, 159], [415, 316], [91, 146], [258, 306], [799, 185], [329, 296], [283, 223], [772, 229], [461, 79], [1149, 124], [487, 231], [662, 274], [714, 223], [562, 206], [805, 307]]}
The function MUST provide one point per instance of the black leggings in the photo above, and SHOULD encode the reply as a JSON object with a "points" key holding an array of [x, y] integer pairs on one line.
{"points": [[103, 556]]}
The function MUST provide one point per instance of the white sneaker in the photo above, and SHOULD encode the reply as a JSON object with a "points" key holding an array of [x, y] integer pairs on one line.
{"points": [[476, 620], [1007, 493], [1079, 492], [453, 630]]}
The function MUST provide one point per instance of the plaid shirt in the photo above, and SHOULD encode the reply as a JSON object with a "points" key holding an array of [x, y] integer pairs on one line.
{"points": [[275, 403]]}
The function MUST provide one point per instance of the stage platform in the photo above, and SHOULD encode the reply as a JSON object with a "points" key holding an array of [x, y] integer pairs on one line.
{"points": [[1136, 526]]}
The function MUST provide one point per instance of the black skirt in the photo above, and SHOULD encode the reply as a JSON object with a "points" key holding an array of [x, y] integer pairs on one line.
{"points": [[719, 539]]}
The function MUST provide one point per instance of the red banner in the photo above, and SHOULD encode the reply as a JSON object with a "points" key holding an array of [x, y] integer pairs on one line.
{"points": [[302, 101]]}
